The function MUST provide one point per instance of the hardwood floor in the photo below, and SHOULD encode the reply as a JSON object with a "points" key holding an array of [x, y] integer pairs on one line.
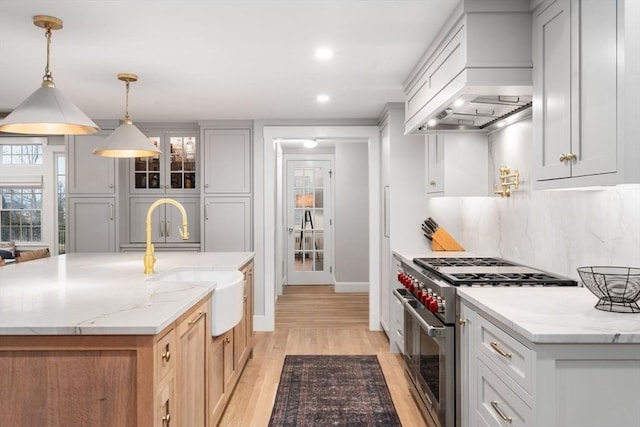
{"points": [[314, 320]]}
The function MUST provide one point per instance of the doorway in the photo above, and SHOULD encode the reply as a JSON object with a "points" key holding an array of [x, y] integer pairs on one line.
{"points": [[309, 220], [269, 227]]}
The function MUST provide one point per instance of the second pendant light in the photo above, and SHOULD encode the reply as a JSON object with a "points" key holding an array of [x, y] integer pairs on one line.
{"points": [[127, 140]]}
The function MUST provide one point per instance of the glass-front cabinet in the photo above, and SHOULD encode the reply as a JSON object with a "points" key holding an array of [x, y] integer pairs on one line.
{"points": [[174, 170]]}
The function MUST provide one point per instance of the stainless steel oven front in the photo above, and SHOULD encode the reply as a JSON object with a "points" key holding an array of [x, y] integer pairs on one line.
{"points": [[429, 353]]}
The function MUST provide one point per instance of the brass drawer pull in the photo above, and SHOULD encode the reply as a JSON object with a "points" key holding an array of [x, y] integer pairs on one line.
{"points": [[194, 321], [166, 420], [166, 356], [500, 351], [494, 404], [227, 340]]}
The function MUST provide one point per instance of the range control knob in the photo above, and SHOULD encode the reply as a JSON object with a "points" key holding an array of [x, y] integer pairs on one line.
{"points": [[433, 306]]}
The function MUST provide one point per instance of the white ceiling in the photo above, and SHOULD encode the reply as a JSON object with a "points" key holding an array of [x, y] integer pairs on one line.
{"points": [[219, 59]]}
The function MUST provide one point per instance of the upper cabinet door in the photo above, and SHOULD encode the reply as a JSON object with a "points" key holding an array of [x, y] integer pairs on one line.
{"points": [[172, 171], [552, 90], [227, 161], [88, 173], [595, 53]]}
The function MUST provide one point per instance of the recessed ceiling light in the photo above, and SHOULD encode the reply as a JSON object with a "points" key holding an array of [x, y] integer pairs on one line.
{"points": [[431, 123], [310, 143], [459, 102], [500, 124], [322, 98], [324, 53]]}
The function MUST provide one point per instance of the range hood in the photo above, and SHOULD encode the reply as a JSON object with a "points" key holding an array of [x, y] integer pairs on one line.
{"points": [[477, 74], [480, 112]]}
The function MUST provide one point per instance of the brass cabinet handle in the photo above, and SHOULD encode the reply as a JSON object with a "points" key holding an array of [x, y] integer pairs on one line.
{"points": [[227, 339], [166, 356], [462, 322], [500, 351], [166, 420], [567, 157], [494, 404], [432, 183], [245, 299], [194, 321]]}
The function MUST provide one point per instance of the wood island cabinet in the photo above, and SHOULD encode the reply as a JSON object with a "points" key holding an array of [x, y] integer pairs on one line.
{"points": [[191, 374], [230, 353], [108, 380]]}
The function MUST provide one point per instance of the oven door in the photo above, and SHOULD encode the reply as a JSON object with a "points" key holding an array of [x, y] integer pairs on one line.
{"points": [[433, 363]]}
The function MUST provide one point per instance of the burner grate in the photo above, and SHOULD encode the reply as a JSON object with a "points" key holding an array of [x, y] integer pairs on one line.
{"points": [[462, 262]]}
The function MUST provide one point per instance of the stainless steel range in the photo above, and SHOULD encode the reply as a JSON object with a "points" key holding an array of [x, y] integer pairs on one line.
{"points": [[428, 294]]}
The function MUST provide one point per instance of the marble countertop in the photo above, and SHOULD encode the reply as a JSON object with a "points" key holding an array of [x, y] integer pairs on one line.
{"points": [[554, 314], [103, 294]]}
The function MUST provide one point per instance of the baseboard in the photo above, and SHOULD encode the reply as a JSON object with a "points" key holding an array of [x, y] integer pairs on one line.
{"points": [[262, 324], [352, 287]]}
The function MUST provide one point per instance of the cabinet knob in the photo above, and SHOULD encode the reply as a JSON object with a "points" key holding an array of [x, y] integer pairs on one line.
{"points": [[110, 185], [227, 340], [432, 183], [206, 186], [166, 420], [567, 157], [462, 322]]}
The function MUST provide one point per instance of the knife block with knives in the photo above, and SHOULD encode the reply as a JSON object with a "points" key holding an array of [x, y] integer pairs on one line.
{"points": [[441, 240]]}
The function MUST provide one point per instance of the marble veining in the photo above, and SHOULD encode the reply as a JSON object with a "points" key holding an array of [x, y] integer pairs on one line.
{"points": [[554, 314], [556, 231], [102, 294]]}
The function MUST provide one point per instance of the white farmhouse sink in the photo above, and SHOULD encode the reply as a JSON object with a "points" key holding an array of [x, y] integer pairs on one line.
{"points": [[226, 300]]}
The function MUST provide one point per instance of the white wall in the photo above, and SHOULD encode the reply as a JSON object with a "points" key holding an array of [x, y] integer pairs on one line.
{"points": [[556, 231], [351, 214]]}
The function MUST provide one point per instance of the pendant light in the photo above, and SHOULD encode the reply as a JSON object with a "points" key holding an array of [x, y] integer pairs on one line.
{"points": [[47, 111], [127, 140]]}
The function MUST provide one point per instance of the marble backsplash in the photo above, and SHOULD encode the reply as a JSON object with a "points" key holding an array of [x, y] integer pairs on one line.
{"points": [[557, 231]]}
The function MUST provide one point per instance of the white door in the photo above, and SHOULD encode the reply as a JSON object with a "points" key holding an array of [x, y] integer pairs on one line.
{"points": [[309, 213]]}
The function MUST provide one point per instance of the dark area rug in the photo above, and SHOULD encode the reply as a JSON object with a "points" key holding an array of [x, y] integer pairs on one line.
{"points": [[317, 391]]}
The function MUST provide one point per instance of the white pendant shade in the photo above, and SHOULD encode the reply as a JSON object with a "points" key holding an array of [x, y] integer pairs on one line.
{"points": [[127, 141], [48, 112]]}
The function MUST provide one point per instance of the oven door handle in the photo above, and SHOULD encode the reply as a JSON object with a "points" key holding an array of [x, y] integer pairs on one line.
{"points": [[432, 331]]}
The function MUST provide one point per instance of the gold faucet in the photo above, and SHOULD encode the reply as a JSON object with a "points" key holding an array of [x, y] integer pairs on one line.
{"points": [[149, 255], [505, 183]]}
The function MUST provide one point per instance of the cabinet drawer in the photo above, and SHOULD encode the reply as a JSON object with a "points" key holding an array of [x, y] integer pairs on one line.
{"points": [[497, 405], [165, 354], [507, 353]]}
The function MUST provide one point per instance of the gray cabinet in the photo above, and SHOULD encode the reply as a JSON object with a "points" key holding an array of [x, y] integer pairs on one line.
{"points": [[91, 224], [87, 173], [227, 159], [175, 171], [577, 57], [457, 164], [227, 224], [165, 220], [92, 203]]}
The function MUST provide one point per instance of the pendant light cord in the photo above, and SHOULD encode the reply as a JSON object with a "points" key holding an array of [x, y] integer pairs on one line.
{"points": [[47, 73], [126, 107]]}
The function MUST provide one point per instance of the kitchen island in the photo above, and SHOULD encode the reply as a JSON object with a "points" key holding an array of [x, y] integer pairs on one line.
{"points": [[88, 339], [534, 356]]}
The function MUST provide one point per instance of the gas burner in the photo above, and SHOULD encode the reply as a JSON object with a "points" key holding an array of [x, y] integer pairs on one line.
{"points": [[434, 263], [527, 277]]}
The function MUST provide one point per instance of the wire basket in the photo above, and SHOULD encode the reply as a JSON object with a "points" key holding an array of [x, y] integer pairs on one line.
{"points": [[617, 287]]}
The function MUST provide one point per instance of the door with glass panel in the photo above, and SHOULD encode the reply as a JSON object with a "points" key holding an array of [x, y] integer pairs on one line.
{"points": [[309, 222]]}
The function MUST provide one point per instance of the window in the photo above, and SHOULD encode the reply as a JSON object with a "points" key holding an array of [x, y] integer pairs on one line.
{"points": [[61, 180], [21, 214], [21, 154]]}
